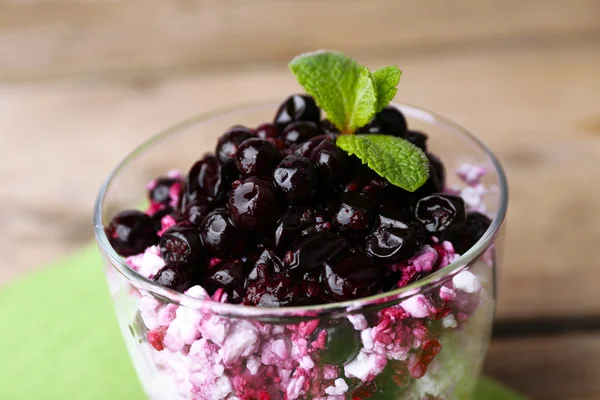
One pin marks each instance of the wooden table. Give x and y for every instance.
(81, 83)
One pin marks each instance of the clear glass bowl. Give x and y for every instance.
(425, 341)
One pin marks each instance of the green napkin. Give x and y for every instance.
(60, 340)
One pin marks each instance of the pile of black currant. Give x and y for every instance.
(281, 216)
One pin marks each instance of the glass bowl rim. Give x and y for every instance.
(313, 311)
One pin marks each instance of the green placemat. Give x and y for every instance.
(59, 338)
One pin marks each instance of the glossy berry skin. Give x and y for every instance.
(377, 188)
(389, 121)
(219, 235)
(331, 161)
(395, 238)
(343, 342)
(267, 130)
(130, 232)
(313, 291)
(298, 221)
(417, 138)
(312, 251)
(162, 190)
(434, 183)
(297, 108)
(228, 143)
(267, 264)
(296, 177)
(228, 276)
(254, 204)
(256, 157)
(181, 243)
(475, 227)
(276, 291)
(330, 130)
(280, 145)
(437, 167)
(195, 212)
(175, 276)
(158, 216)
(208, 180)
(351, 277)
(355, 213)
(300, 132)
(306, 148)
(441, 213)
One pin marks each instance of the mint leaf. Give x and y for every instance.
(340, 86)
(351, 96)
(386, 79)
(399, 161)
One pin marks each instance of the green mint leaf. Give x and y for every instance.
(341, 87)
(386, 80)
(399, 161)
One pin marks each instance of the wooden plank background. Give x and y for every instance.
(41, 38)
(82, 82)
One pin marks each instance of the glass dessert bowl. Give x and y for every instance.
(419, 331)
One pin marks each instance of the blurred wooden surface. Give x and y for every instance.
(548, 368)
(83, 82)
(45, 38)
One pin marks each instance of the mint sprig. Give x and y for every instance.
(399, 161)
(386, 79)
(351, 95)
(340, 86)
